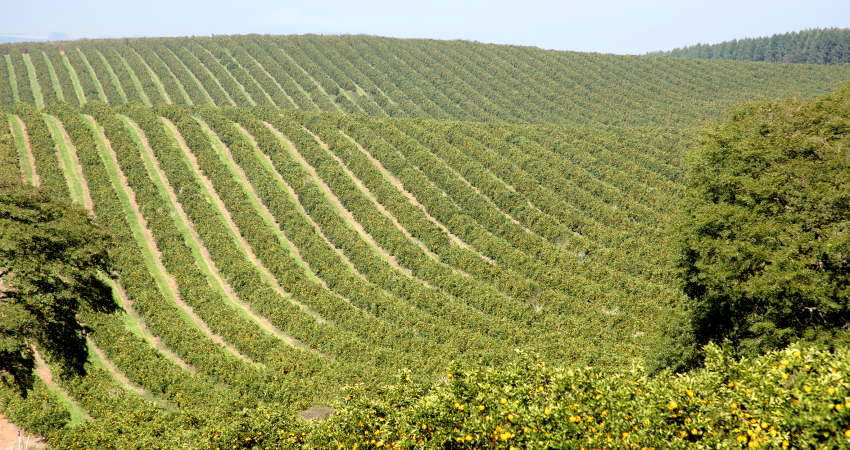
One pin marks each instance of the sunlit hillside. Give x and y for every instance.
(297, 214)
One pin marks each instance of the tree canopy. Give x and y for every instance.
(763, 228)
(54, 260)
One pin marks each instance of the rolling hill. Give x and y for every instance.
(297, 214)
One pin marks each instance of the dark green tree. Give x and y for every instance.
(764, 230)
(53, 261)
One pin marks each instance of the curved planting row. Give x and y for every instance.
(42, 75)
(287, 271)
(203, 76)
(102, 73)
(269, 88)
(22, 77)
(130, 88)
(43, 149)
(251, 88)
(170, 85)
(151, 86)
(245, 278)
(66, 83)
(379, 226)
(390, 238)
(410, 325)
(295, 92)
(428, 299)
(91, 90)
(538, 179)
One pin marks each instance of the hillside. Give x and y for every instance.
(294, 215)
(830, 46)
(421, 79)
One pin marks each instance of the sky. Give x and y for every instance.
(621, 27)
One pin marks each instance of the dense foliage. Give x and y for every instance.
(796, 398)
(763, 226)
(829, 46)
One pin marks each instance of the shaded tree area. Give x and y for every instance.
(763, 233)
(830, 46)
(54, 260)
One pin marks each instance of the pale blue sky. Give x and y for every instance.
(623, 27)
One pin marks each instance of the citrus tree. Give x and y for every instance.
(763, 229)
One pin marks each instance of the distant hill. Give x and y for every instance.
(829, 46)
(414, 78)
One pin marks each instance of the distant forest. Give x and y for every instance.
(817, 46)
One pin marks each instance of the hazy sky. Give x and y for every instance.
(632, 27)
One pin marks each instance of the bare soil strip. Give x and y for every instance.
(270, 278)
(151, 244)
(78, 168)
(13, 436)
(365, 191)
(127, 383)
(318, 180)
(43, 372)
(205, 255)
(36, 180)
(265, 210)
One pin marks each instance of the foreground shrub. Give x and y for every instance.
(795, 398)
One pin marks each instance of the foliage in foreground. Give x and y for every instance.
(795, 398)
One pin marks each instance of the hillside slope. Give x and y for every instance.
(282, 255)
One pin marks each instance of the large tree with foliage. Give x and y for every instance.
(53, 260)
(764, 229)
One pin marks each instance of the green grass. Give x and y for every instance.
(12, 78)
(36, 89)
(78, 88)
(97, 82)
(18, 133)
(112, 77)
(72, 176)
(135, 223)
(255, 202)
(54, 80)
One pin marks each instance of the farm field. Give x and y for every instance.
(294, 215)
